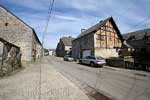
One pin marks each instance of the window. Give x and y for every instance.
(101, 37)
(6, 24)
(87, 57)
(91, 57)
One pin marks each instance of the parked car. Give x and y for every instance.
(93, 61)
(68, 58)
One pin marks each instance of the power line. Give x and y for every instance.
(141, 22)
(45, 30)
(49, 17)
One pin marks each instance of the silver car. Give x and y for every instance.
(93, 61)
(68, 58)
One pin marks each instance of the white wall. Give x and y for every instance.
(67, 47)
(50, 53)
(106, 53)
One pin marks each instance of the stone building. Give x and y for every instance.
(102, 39)
(64, 46)
(17, 32)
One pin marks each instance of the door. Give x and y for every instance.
(86, 53)
(85, 60)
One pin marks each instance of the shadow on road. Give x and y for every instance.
(90, 66)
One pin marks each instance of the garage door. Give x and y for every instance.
(86, 53)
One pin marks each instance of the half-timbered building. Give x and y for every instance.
(102, 39)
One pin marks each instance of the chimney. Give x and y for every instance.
(82, 30)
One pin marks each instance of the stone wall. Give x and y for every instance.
(60, 50)
(17, 32)
(38, 51)
(76, 49)
(84, 43)
(10, 57)
(37, 47)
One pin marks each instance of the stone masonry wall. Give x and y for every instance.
(84, 43)
(76, 49)
(37, 46)
(10, 57)
(15, 31)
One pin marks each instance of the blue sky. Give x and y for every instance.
(69, 16)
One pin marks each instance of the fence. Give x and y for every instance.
(129, 63)
(10, 57)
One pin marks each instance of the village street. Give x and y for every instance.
(115, 83)
(120, 84)
(26, 84)
(49, 50)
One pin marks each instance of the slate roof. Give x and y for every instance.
(67, 41)
(137, 39)
(137, 35)
(98, 26)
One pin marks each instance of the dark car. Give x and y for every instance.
(93, 61)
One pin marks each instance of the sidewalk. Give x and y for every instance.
(25, 85)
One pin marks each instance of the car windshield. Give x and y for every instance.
(68, 56)
(86, 57)
(99, 58)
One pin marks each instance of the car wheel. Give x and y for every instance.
(92, 64)
(65, 59)
(148, 68)
(80, 61)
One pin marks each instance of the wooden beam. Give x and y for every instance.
(107, 30)
(114, 39)
(100, 40)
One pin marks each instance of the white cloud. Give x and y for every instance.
(69, 16)
(32, 4)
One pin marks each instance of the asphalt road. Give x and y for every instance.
(39, 81)
(115, 83)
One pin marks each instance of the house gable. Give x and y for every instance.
(97, 26)
(10, 17)
(7, 17)
(108, 36)
(17, 32)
